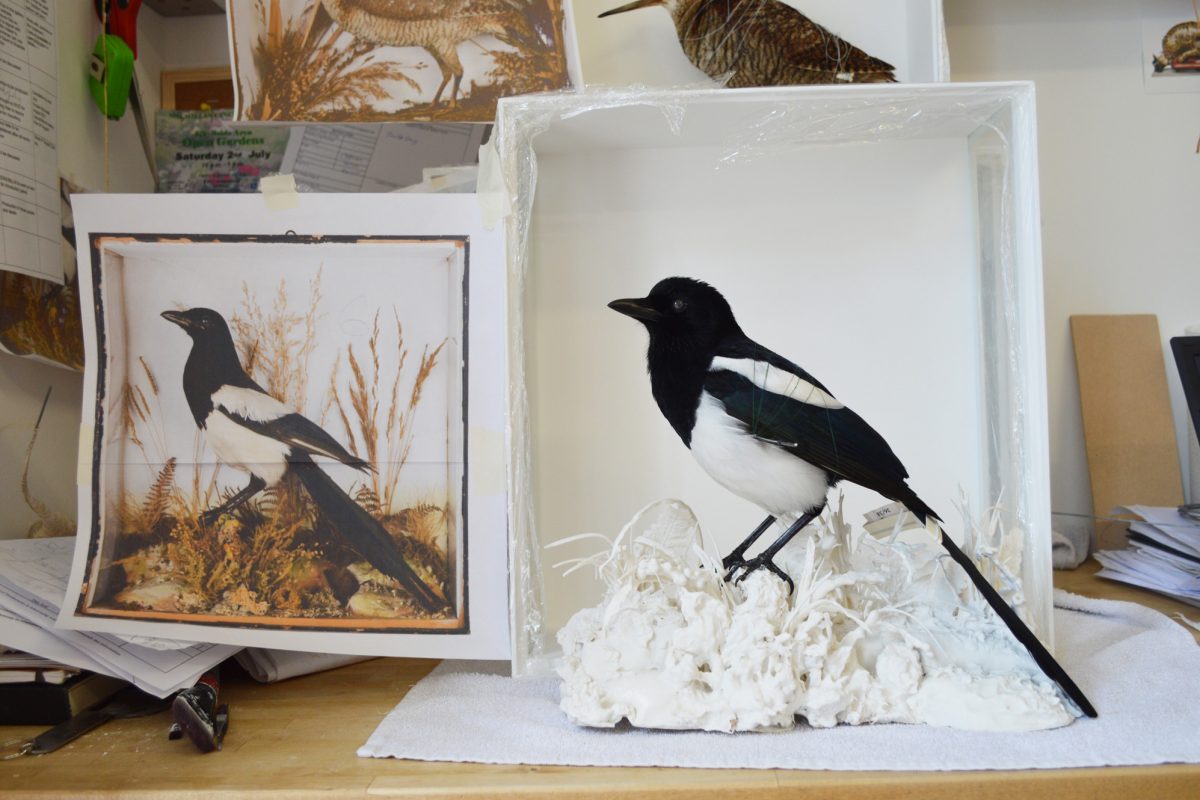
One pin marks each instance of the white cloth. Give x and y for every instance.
(1070, 549)
(1138, 667)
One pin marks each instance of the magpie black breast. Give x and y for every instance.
(250, 430)
(770, 432)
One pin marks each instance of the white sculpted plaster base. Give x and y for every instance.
(876, 631)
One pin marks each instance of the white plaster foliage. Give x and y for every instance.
(876, 631)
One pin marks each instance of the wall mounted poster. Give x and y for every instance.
(290, 417)
(393, 60)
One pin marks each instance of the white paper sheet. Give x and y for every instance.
(18, 634)
(30, 216)
(375, 158)
(33, 581)
(380, 254)
(1148, 564)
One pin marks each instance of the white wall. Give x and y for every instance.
(1119, 198)
(1120, 184)
(162, 43)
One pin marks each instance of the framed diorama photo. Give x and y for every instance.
(293, 424)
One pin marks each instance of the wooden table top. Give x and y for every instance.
(298, 738)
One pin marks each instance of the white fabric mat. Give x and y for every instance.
(1140, 669)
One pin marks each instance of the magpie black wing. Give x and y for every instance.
(823, 432)
(259, 412)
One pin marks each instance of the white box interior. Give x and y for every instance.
(884, 239)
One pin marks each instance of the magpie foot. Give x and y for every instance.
(758, 562)
(211, 516)
(732, 561)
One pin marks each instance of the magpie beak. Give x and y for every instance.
(770, 432)
(637, 307)
(179, 319)
(631, 7)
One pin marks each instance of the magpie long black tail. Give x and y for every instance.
(1019, 629)
(362, 531)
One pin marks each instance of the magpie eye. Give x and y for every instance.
(679, 305)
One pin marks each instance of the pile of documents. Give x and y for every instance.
(20, 667)
(33, 582)
(1163, 554)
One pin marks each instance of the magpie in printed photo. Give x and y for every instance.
(255, 433)
(771, 433)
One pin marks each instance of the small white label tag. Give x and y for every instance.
(883, 512)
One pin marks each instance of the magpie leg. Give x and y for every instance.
(736, 557)
(766, 557)
(255, 486)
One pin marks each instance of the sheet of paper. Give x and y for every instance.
(15, 632)
(270, 580)
(30, 237)
(33, 580)
(1135, 580)
(375, 158)
(1166, 517)
(203, 151)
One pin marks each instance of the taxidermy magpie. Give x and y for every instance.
(251, 431)
(771, 433)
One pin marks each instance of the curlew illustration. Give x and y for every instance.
(438, 26)
(764, 43)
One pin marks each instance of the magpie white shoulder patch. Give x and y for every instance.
(772, 379)
(251, 404)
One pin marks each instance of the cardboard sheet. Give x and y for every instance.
(1127, 427)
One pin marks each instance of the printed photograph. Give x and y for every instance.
(39, 319)
(392, 60)
(280, 432)
(1171, 51)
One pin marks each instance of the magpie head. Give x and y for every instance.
(682, 309)
(198, 322)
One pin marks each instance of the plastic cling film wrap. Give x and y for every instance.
(995, 124)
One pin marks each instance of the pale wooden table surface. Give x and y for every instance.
(298, 739)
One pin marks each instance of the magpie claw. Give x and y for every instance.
(731, 562)
(758, 562)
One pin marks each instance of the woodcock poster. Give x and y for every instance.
(285, 414)
(393, 60)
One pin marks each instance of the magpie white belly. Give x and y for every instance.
(760, 472)
(243, 449)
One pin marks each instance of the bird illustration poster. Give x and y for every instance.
(393, 60)
(290, 414)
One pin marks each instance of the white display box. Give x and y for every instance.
(641, 47)
(885, 238)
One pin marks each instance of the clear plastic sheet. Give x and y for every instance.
(997, 125)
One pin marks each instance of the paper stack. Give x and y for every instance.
(1163, 554)
(33, 583)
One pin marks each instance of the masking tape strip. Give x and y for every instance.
(280, 192)
(488, 470)
(490, 189)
